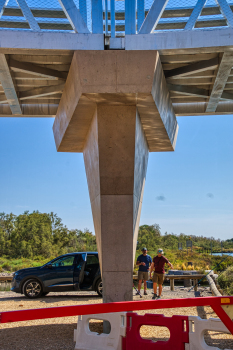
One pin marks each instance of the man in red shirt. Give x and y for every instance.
(158, 265)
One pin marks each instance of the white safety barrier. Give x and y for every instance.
(87, 340)
(197, 327)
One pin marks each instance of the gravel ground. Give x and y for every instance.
(57, 333)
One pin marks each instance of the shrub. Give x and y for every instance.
(225, 281)
(6, 266)
(184, 267)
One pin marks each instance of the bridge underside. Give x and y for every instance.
(199, 81)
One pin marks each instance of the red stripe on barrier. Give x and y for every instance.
(66, 311)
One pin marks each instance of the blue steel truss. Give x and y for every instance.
(114, 17)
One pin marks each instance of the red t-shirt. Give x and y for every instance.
(159, 264)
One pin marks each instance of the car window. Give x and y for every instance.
(92, 259)
(64, 261)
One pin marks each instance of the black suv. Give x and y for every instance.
(69, 272)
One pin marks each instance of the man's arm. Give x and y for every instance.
(151, 268)
(169, 264)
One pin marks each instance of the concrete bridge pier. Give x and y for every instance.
(116, 156)
(116, 108)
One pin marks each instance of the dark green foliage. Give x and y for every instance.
(226, 280)
(33, 235)
(150, 236)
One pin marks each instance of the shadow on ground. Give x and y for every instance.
(42, 337)
(54, 298)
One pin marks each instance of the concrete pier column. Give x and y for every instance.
(116, 157)
(115, 108)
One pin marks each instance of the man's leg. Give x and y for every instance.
(160, 289)
(145, 286)
(139, 285)
(160, 282)
(155, 288)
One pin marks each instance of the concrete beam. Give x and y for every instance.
(43, 91)
(193, 68)
(11, 41)
(199, 108)
(165, 42)
(220, 81)
(194, 91)
(8, 86)
(118, 78)
(188, 90)
(38, 110)
(179, 42)
(36, 70)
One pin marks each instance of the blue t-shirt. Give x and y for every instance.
(147, 260)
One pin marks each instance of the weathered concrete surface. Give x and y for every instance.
(21, 41)
(166, 42)
(115, 108)
(116, 157)
(120, 78)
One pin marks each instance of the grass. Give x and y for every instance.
(12, 265)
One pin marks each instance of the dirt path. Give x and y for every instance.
(57, 333)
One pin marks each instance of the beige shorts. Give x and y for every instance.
(143, 275)
(158, 278)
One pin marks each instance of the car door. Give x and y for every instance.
(60, 274)
(90, 270)
(79, 266)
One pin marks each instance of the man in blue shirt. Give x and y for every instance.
(143, 261)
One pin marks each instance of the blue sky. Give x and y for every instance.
(189, 190)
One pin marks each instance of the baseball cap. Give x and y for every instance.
(160, 251)
(144, 248)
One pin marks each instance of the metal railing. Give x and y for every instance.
(114, 17)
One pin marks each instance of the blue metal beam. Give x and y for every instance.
(226, 11)
(153, 16)
(195, 14)
(74, 16)
(113, 29)
(83, 9)
(3, 4)
(141, 13)
(130, 17)
(97, 16)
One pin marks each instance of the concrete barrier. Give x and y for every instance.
(87, 340)
(197, 327)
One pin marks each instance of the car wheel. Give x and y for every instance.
(99, 287)
(32, 289)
